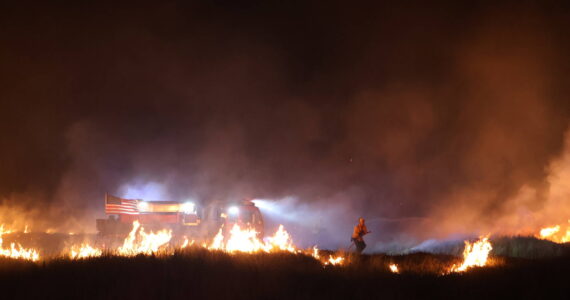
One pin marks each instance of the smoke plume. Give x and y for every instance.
(427, 121)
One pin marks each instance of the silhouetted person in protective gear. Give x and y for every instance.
(359, 231)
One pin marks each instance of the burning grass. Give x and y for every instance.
(154, 265)
(195, 272)
(556, 233)
(474, 255)
(16, 250)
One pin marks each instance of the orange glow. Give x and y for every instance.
(246, 240)
(140, 242)
(243, 241)
(218, 242)
(16, 250)
(335, 261)
(315, 253)
(186, 243)
(281, 240)
(394, 268)
(84, 251)
(474, 255)
(554, 234)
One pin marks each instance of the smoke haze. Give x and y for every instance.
(427, 121)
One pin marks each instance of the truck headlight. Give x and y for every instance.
(142, 206)
(233, 210)
(187, 207)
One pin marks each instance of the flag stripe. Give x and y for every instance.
(116, 205)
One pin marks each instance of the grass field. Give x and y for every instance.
(199, 274)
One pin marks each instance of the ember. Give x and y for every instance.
(394, 268)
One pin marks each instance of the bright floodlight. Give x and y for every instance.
(142, 206)
(233, 210)
(187, 207)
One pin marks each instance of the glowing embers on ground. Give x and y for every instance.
(332, 260)
(394, 268)
(16, 250)
(556, 235)
(474, 255)
(140, 242)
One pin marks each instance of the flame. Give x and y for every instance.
(84, 251)
(281, 240)
(334, 260)
(246, 240)
(315, 253)
(16, 250)
(548, 231)
(26, 229)
(138, 241)
(394, 268)
(218, 242)
(143, 243)
(243, 241)
(554, 234)
(186, 243)
(474, 255)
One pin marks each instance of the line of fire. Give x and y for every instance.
(135, 227)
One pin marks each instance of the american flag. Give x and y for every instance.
(116, 205)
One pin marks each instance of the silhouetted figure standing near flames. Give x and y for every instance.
(357, 236)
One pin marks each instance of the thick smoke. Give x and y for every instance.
(427, 121)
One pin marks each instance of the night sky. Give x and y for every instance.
(407, 113)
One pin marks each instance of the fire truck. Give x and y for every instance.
(121, 213)
(183, 217)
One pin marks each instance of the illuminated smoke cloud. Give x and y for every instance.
(146, 191)
(428, 125)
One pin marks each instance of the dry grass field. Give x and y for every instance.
(197, 273)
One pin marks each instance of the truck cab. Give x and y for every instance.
(245, 215)
(227, 214)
